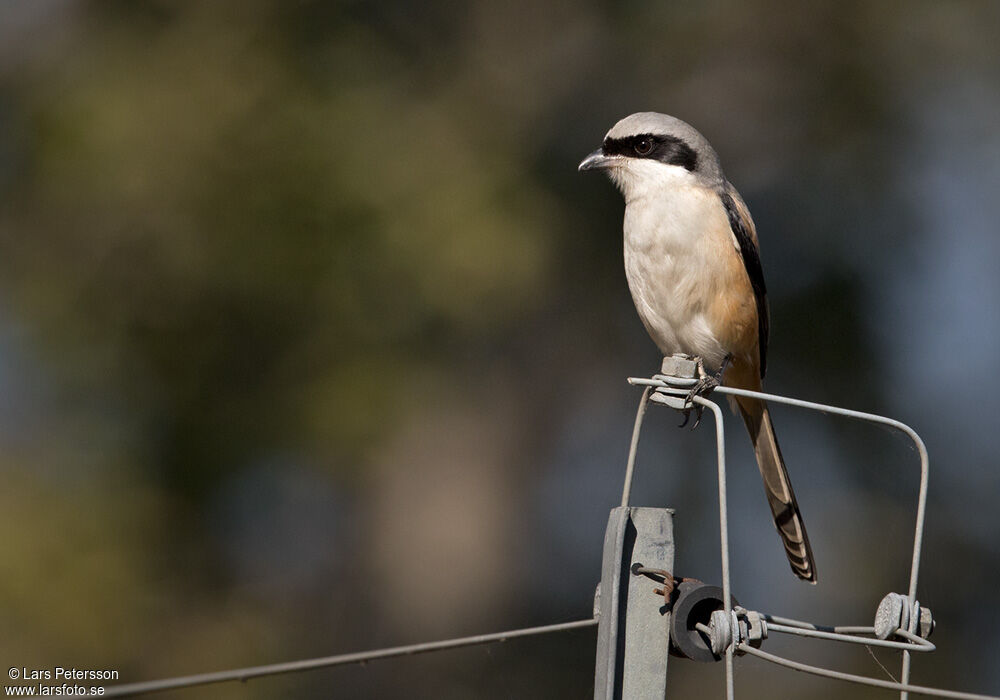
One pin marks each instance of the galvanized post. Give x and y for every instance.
(633, 634)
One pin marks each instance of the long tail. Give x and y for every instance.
(778, 488)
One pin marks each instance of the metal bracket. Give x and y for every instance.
(633, 633)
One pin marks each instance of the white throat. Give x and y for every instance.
(642, 179)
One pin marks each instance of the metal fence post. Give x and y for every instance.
(633, 634)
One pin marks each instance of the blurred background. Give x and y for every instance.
(313, 340)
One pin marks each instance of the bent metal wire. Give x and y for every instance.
(672, 390)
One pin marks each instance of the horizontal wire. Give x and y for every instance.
(840, 629)
(809, 625)
(915, 644)
(244, 674)
(683, 383)
(862, 680)
(803, 628)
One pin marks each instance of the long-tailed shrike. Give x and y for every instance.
(693, 267)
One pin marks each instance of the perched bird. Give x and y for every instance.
(693, 267)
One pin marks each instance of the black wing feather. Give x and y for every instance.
(751, 261)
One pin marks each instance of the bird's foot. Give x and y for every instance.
(703, 388)
(705, 385)
(698, 410)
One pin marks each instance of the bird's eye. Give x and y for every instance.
(643, 147)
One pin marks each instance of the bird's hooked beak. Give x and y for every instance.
(597, 161)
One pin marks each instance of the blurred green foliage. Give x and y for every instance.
(244, 251)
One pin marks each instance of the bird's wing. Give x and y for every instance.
(746, 242)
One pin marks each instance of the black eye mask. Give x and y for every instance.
(666, 149)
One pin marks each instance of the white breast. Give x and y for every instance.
(673, 239)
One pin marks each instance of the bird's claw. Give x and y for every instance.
(698, 410)
(705, 385)
(702, 388)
